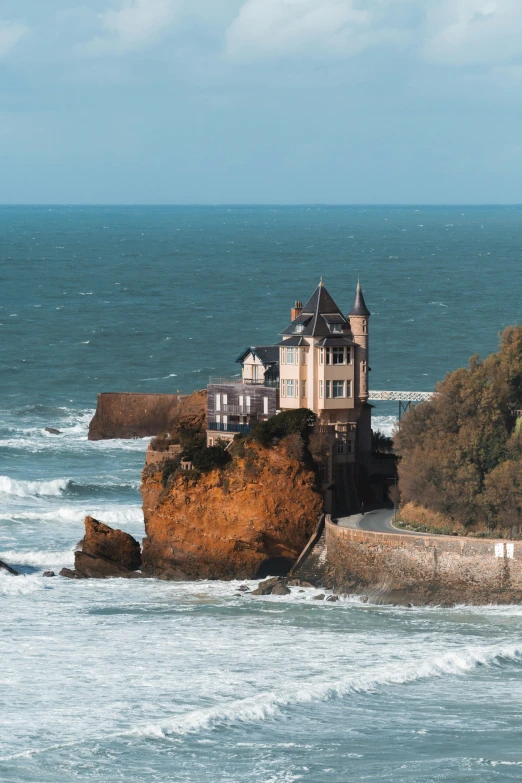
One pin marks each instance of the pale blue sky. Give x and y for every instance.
(260, 101)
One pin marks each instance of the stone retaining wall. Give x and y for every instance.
(157, 457)
(393, 568)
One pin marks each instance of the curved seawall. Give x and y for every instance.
(395, 568)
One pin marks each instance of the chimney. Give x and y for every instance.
(296, 310)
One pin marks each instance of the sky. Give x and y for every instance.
(261, 101)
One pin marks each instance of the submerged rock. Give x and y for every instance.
(319, 597)
(48, 573)
(8, 569)
(70, 573)
(280, 589)
(53, 431)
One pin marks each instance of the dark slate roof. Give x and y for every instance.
(318, 312)
(267, 354)
(293, 341)
(329, 341)
(359, 305)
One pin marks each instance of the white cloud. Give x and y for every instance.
(324, 28)
(134, 24)
(10, 34)
(471, 32)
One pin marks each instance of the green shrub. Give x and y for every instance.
(300, 421)
(206, 459)
(170, 466)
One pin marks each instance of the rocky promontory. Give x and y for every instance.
(129, 415)
(247, 518)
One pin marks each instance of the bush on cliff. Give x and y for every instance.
(210, 458)
(461, 453)
(300, 421)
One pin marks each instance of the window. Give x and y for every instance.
(324, 472)
(328, 355)
(218, 418)
(225, 399)
(265, 406)
(298, 327)
(337, 389)
(283, 388)
(348, 388)
(320, 390)
(218, 402)
(240, 400)
(303, 388)
(225, 420)
(321, 355)
(255, 370)
(338, 355)
(303, 355)
(364, 327)
(290, 355)
(328, 394)
(340, 446)
(348, 356)
(248, 404)
(349, 446)
(290, 387)
(336, 327)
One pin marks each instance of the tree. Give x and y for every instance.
(450, 447)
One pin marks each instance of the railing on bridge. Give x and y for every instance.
(404, 398)
(401, 396)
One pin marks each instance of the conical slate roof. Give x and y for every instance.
(359, 305)
(317, 314)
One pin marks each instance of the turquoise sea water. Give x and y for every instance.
(123, 681)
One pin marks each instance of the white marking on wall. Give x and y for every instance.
(499, 550)
(510, 550)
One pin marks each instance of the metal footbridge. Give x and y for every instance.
(404, 398)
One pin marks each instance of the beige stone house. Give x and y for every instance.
(321, 363)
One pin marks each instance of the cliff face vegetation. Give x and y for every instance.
(461, 453)
(251, 515)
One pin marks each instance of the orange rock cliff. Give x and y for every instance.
(251, 517)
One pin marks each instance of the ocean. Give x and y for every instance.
(130, 681)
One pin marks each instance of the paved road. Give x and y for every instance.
(379, 521)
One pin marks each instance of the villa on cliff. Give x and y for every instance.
(321, 363)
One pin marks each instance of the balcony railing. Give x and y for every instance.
(238, 381)
(244, 429)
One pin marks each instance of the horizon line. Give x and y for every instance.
(258, 204)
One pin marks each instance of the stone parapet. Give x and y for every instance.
(445, 570)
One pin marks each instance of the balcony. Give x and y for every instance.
(244, 429)
(238, 381)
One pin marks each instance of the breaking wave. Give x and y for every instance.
(38, 558)
(267, 705)
(25, 489)
(384, 424)
(19, 585)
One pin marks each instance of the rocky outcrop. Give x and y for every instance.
(7, 569)
(104, 552)
(128, 415)
(249, 519)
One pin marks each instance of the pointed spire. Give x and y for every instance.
(321, 281)
(359, 305)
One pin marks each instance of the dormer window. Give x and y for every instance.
(336, 328)
(298, 327)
